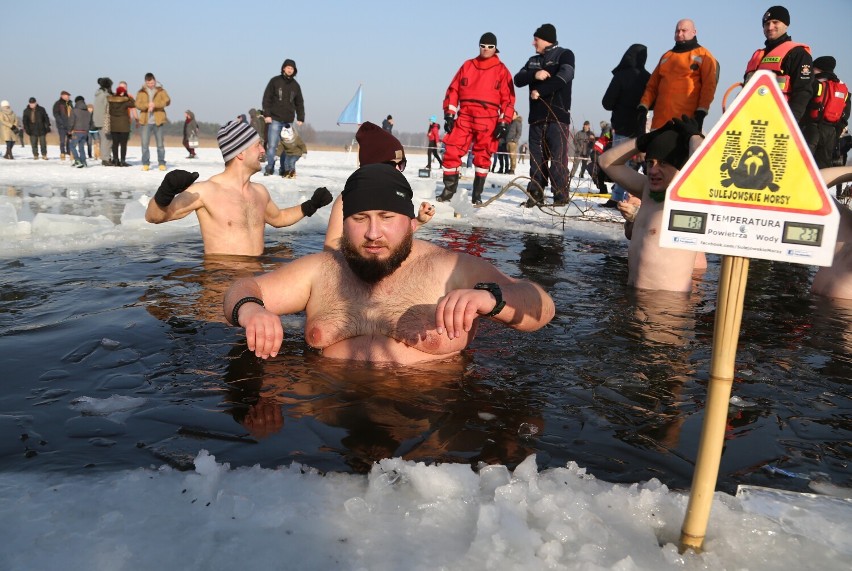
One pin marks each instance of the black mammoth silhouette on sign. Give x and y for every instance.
(753, 170)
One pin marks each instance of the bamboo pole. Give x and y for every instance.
(729, 312)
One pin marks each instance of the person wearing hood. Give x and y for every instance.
(629, 79)
(789, 60)
(290, 149)
(550, 77)
(683, 83)
(190, 133)
(8, 127)
(478, 106)
(37, 126)
(78, 130)
(282, 103)
(151, 102)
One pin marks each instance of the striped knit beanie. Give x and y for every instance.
(234, 138)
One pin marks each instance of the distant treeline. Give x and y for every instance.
(309, 135)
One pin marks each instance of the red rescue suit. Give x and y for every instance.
(480, 95)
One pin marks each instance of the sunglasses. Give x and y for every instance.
(487, 46)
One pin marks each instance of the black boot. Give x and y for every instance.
(537, 195)
(478, 186)
(451, 183)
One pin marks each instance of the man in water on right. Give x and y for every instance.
(666, 151)
(835, 281)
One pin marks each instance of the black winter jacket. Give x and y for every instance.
(282, 99)
(36, 122)
(626, 88)
(554, 102)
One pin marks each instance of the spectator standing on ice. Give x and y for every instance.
(282, 103)
(37, 126)
(549, 75)
(62, 116)
(121, 106)
(478, 106)
(512, 138)
(8, 127)
(79, 131)
(433, 137)
(827, 113)
(151, 102)
(190, 133)
(790, 61)
(100, 118)
(622, 96)
(683, 83)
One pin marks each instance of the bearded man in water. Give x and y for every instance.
(384, 296)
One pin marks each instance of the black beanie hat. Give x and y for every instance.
(489, 39)
(825, 63)
(375, 145)
(667, 146)
(32, 99)
(105, 82)
(79, 98)
(377, 187)
(779, 13)
(546, 32)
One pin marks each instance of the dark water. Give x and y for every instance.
(616, 382)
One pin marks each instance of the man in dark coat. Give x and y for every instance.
(282, 103)
(622, 97)
(62, 115)
(37, 126)
(549, 75)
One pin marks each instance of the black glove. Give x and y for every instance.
(449, 122)
(321, 197)
(501, 130)
(173, 184)
(15, 129)
(686, 127)
(700, 114)
(641, 120)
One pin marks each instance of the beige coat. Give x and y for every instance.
(8, 119)
(161, 101)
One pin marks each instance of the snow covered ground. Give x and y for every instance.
(403, 515)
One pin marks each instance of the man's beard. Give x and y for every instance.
(371, 270)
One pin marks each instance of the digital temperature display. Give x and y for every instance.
(802, 234)
(683, 221)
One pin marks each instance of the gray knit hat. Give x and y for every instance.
(234, 138)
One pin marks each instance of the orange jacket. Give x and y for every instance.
(682, 83)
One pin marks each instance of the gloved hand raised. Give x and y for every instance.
(449, 122)
(643, 140)
(501, 130)
(699, 118)
(321, 197)
(687, 127)
(641, 120)
(173, 184)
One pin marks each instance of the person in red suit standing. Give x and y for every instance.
(478, 107)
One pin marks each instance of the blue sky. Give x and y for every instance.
(216, 57)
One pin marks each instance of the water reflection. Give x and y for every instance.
(364, 413)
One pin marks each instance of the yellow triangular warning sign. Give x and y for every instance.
(755, 157)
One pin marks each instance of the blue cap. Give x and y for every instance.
(433, 119)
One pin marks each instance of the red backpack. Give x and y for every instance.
(830, 100)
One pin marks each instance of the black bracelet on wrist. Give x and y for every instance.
(236, 311)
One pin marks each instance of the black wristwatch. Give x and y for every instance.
(498, 295)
